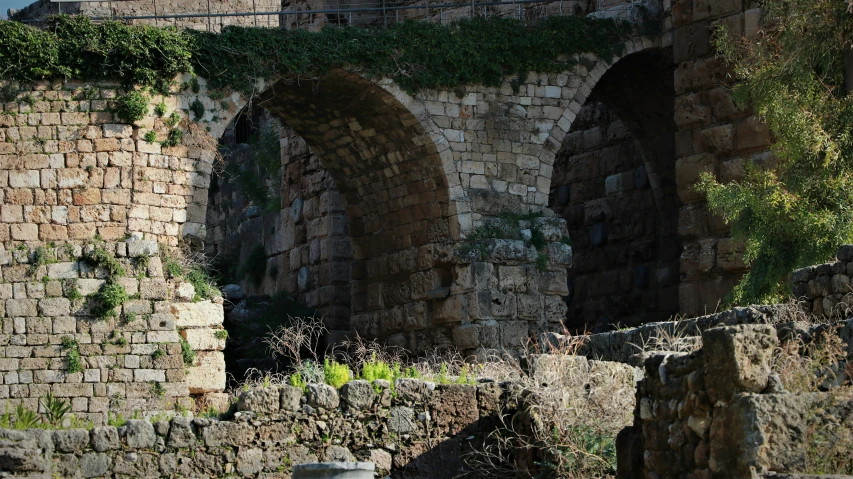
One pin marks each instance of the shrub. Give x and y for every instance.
(377, 369)
(173, 138)
(160, 109)
(107, 299)
(197, 107)
(132, 106)
(54, 410)
(151, 136)
(335, 374)
(99, 257)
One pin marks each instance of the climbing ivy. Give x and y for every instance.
(415, 54)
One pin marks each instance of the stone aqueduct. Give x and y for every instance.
(418, 174)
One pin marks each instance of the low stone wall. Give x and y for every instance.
(721, 413)
(825, 289)
(420, 430)
(417, 429)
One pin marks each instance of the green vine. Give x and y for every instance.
(415, 54)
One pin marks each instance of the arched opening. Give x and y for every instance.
(614, 183)
(361, 229)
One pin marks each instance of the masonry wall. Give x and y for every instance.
(74, 177)
(624, 268)
(306, 241)
(715, 136)
(721, 412)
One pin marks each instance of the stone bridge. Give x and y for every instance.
(427, 239)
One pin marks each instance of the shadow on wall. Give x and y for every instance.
(614, 183)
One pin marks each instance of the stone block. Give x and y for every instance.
(204, 339)
(207, 374)
(358, 394)
(322, 396)
(466, 336)
(260, 400)
(203, 314)
(741, 359)
(764, 432)
(52, 307)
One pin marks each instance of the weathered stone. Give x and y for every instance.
(138, 434)
(207, 374)
(181, 433)
(322, 396)
(72, 440)
(94, 464)
(401, 420)
(358, 394)
(742, 357)
(291, 397)
(261, 401)
(104, 438)
(197, 315)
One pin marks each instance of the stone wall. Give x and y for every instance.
(417, 429)
(40, 9)
(624, 272)
(714, 136)
(306, 241)
(721, 412)
(73, 177)
(419, 432)
(825, 289)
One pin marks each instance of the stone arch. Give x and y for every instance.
(391, 166)
(614, 183)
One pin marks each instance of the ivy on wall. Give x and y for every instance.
(415, 54)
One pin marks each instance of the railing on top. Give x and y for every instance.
(340, 12)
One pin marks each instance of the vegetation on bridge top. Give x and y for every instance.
(415, 54)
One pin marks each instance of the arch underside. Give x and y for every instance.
(389, 171)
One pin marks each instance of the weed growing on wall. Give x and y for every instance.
(132, 106)
(415, 54)
(72, 354)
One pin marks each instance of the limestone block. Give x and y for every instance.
(466, 336)
(203, 314)
(138, 248)
(760, 431)
(741, 359)
(208, 373)
(261, 401)
(204, 339)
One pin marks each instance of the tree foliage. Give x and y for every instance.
(792, 74)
